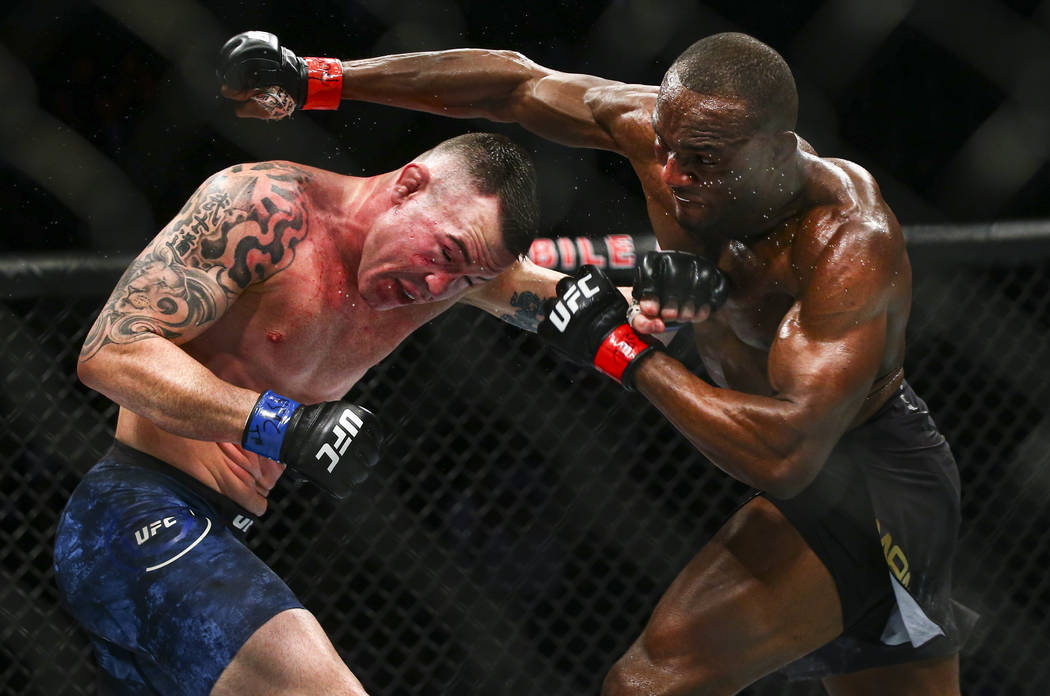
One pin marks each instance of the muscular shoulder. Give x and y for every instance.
(850, 234)
(625, 112)
(243, 223)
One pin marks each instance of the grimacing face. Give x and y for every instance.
(432, 248)
(717, 166)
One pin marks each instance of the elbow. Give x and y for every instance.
(87, 372)
(510, 56)
(516, 62)
(786, 477)
(94, 370)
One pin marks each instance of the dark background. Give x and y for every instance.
(504, 554)
(111, 118)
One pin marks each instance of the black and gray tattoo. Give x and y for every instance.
(529, 312)
(240, 227)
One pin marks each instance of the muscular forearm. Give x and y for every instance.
(518, 294)
(496, 85)
(159, 381)
(462, 83)
(758, 440)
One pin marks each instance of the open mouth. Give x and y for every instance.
(685, 198)
(410, 293)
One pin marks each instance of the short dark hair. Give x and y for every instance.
(740, 66)
(496, 165)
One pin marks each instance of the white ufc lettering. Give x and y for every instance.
(344, 435)
(150, 530)
(570, 303)
(242, 523)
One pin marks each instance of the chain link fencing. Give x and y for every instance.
(528, 514)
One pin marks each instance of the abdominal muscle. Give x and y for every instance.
(244, 477)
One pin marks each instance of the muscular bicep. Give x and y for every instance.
(831, 344)
(584, 111)
(239, 228)
(826, 371)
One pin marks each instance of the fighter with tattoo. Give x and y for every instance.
(794, 274)
(229, 344)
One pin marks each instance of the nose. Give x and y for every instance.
(674, 175)
(438, 283)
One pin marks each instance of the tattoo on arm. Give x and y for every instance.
(240, 227)
(529, 310)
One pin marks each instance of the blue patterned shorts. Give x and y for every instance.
(152, 563)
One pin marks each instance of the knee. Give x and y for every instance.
(638, 673)
(623, 679)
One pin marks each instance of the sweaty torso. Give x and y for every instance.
(304, 332)
(769, 272)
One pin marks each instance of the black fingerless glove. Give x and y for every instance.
(334, 444)
(587, 323)
(255, 60)
(677, 278)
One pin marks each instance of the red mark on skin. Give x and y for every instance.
(274, 336)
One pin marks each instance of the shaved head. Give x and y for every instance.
(740, 67)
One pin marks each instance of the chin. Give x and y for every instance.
(382, 295)
(695, 218)
(371, 298)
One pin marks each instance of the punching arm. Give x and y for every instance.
(572, 109)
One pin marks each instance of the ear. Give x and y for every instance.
(784, 145)
(412, 178)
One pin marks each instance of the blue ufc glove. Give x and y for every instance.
(334, 444)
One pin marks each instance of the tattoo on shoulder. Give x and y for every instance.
(529, 310)
(240, 227)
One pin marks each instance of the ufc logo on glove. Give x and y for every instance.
(586, 322)
(569, 304)
(344, 433)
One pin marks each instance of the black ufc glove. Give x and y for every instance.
(676, 278)
(334, 444)
(587, 323)
(255, 60)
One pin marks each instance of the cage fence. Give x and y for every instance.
(527, 514)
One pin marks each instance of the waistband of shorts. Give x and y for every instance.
(233, 515)
(891, 403)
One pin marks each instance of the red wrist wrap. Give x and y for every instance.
(619, 348)
(324, 85)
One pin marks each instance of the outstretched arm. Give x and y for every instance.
(237, 230)
(517, 295)
(505, 86)
(572, 109)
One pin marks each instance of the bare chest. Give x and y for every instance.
(305, 333)
(762, 289)
(734, 342)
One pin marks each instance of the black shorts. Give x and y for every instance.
(152, 564)
(883, 516)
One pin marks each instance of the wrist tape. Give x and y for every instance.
(324, 84)
(264, 432)
(619, 350)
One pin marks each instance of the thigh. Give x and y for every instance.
(933, 677)
(753, 599)
(289, 654)
(159, 582)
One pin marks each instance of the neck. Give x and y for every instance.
(784, 198)
(363, 201)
